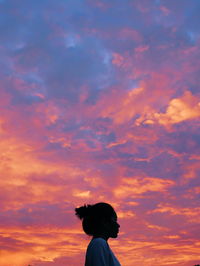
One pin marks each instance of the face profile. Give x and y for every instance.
(100, 222)
(112, 227)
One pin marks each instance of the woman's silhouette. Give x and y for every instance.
(100, 222)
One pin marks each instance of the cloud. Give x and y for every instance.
(39, 245)
(99, 101)
(133, 187)
(179, 110)
(191, 213)
(124, 107)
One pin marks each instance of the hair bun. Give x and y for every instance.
(83, 211)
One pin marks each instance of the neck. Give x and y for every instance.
(105, 237)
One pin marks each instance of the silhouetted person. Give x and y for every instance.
(100, 222)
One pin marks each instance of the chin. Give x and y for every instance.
(115, 235)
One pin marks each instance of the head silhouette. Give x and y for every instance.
(98, 220)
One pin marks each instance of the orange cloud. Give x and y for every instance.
(41, 244)
(125, 214)
(124, 107)
(26, 178)
(179, 109)
(133, 187)
(191, 170)
(157, 227)
(18, 258)
(82, 194)
(156, 252)
(192, 214)
(93, 181)
(172, 237)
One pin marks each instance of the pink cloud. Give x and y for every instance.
(133, 187)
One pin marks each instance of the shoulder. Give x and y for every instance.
(98, 242)
(98, 245)
(97, 253)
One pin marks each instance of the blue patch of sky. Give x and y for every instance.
(19, 99)
(193, 36)
(71, 40)
(157, 2)
(106, 138)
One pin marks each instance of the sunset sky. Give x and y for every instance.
(99, 101)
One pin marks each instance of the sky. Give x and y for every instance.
(99, 102)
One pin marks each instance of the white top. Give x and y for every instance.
(99, 254)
